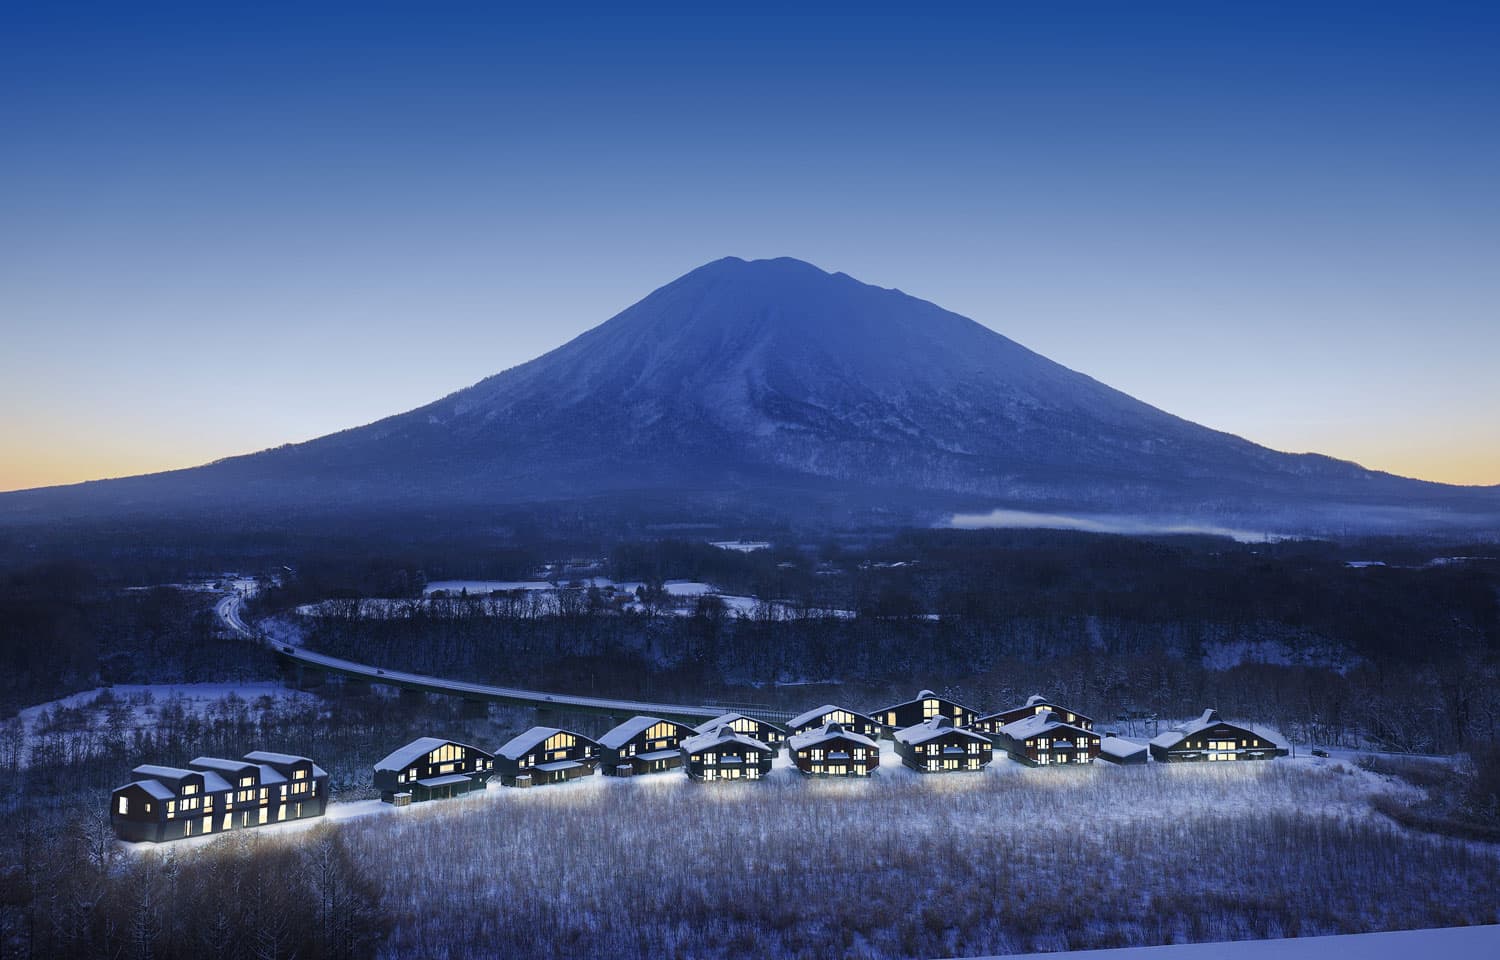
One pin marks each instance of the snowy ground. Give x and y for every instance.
(784, 772)
(684, 593)
(146, 701)
(1450, 943)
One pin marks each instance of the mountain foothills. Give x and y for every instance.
(772, 386)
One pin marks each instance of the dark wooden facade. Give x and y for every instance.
(829, 713)
(937, 746)
(1210, 738)
(833, 751)
(544, 755)
(990, 724)
(1043, 739)
(726, 754)
(768, 733)
(643, 745)
(212, 795)
(430, 768)
(927, 705)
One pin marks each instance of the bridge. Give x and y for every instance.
(309, 666)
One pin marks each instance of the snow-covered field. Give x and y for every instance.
(1014, 859)
(1011, 860)
(1448, 943)
(535, 598)
(142, 704)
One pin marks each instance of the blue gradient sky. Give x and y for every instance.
(224, 231)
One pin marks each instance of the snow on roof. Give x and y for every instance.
(516, 746)
(921, 695)
(932, 729)
(213, 783)
(269, 775)
(1037, 724)
(720, 736)
(828, 731)
(821, 711)
(403, 757)
(1172, 737)
(153, 787)
(222, 765)
(729, 718)
(155, 772)
(1035, 699)
(552, 766)
(444, 781)
(1116, 747)
(627, 731)
(267, 756)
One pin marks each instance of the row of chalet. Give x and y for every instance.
(213, 795)
(829, 741)
(932, 734)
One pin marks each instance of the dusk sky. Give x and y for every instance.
(225, 234)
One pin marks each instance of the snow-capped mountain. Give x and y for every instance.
(745, 379)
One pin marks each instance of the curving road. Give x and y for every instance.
(229, 611)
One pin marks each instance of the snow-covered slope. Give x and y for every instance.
(742, 379)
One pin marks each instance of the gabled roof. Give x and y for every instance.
(1038, 724)
(222, 765)
(933, 728)
(622, 734)
(921, 695)
(727, 719)
(154, 788)
(154, 771)
(517, 747)
(1171, 738)
(267, 756)
(284, 760)
(803, 719)
(403, 757)
(1033, 701)
(722, 735)
(213, 783)
(829, 731)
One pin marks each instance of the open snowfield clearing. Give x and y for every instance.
(1450, 943)
(540, 598)
(1011, 860)
(141, 706)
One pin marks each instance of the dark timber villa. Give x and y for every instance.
(767, 733)
(1035, 704)
(937, 746)
(829, 713)
(926, 706)
(1210, 738)
(1044, 738)
(726, 754)
(544, 755)
(833, 751)
(430, 768)
(643, 745)
(212, 795)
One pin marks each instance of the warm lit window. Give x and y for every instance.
(123, 807)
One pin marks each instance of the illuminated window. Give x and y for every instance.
(189, 788)
(299, 775)
(171, 809)
(124, 806)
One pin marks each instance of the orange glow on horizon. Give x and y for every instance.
(46, 466)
